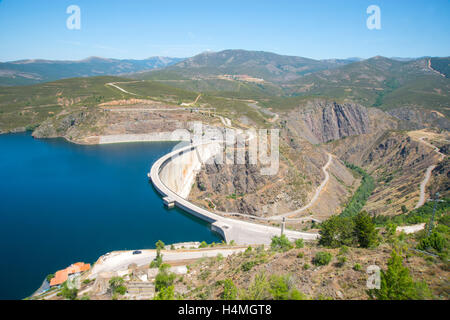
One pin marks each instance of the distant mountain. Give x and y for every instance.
(441, 65)
(26, 72)
(381, 82)
(259, 64)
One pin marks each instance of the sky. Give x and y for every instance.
(138, 29)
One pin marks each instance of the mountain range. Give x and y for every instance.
(25, 72)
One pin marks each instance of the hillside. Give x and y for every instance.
(379, 82)
(26, 72)
(265, 65)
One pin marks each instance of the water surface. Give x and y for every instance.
(61, 203)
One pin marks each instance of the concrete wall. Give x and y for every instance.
(179, 172)
(145, 137)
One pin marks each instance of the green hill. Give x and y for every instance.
(379, 82)
(266, 65)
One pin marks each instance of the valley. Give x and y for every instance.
(354, 136)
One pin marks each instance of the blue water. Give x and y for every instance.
(61, 203)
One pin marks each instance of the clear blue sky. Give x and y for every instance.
(142, 28)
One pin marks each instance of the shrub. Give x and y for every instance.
(300, 255)
(229, 290)
(434, 241)
(299, 243)
(203, 245)
(341, 261)
(343, 250)
(282, 288)
(116, 285)
(281, 243)
(248, 265)
(259, 289)
(50, 277)
(306, 266)
(357, 267)
(167, 293)
(322, 258)
(69, 294)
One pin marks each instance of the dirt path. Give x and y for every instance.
(316, 194)
(424, 182)
(114, 84)
(423, 186)
(319, 189)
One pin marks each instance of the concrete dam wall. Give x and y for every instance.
(179, 172)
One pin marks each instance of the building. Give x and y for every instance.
(62, 275)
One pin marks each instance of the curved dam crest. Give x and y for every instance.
(172, 176)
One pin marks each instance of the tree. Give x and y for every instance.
(164, 278)
(158, 259)
(365, 231)
(229, 290)
(397, 283)
(337, 231)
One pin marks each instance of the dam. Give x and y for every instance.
(173, 175)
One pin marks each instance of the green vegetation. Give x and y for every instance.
(419, 215)
(337, 231)
(68, 293)
(167, 293)
(299, 243)
(357, 267)
(281, 243)
(361, 195)
(156, 263)
(365, 232)
(322, 258)
(277, 287)
(229, 290)
(50, 277)
(441, 65)
(164, 278)
(117, 286)
(344, 231)
(397, 284)
(203, 244)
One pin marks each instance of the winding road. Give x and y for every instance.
(241, 232)
(423, 184)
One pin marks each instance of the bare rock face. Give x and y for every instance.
(421, 118)
(321, 121)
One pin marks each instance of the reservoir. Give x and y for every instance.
(62, 203)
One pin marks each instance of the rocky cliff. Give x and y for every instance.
(321, 121)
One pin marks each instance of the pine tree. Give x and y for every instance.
(365, 231)
(397, 283)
